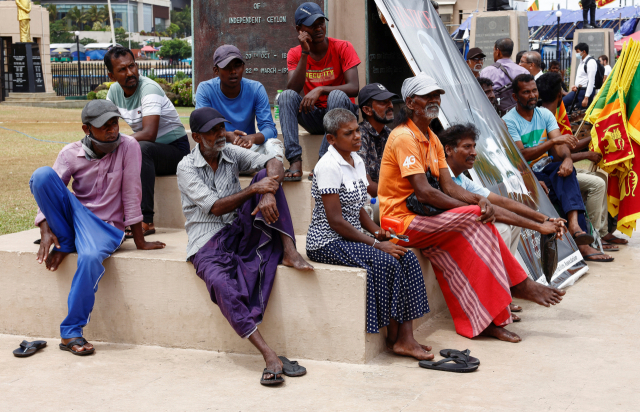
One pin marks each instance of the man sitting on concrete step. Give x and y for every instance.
(241, 101)
(105, 167)
(237, 237)
(155, 123)
(326, 70)
(377, 112)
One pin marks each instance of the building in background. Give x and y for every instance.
(132, 16)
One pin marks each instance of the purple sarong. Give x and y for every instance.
(239, 263)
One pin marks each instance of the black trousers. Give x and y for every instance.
(158, 160)
(589, 7)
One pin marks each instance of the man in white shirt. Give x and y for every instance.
(532, 62)
(585, 79)
(604, 60)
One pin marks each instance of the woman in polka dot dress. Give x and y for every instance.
(395, 287)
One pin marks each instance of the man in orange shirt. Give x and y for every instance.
(476, 271)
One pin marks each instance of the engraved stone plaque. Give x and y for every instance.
(263, 31)
(27, 68)
(488, 30)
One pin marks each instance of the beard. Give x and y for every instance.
(530, 104)
(213, 150)
(431, 111)
(383, 120)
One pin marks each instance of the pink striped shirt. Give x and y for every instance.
(109, 187)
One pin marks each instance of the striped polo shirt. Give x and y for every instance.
(148, 100)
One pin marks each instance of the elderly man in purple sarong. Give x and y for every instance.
(237, 237)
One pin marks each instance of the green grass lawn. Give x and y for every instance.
(20, 155)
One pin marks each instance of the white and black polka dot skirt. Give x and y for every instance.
(395, 288)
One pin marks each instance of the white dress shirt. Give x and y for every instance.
(587, 79)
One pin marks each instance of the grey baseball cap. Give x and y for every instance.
(225, 54)
(98, 112)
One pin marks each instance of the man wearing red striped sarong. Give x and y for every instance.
(476, 271)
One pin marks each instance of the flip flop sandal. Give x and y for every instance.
(29, 348)
(291, 368)
(275, 380)
(586, 258)
(581, 238)
(616, 241)
(515, 308)
(464, 355)
(515, 318)
(77, 342)
(146, 233)
(609, 247)
(310, 177)
(292, 178)
(458, 365)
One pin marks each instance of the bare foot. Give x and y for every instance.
(586, 250)
(54, 259)
(515, 317)
(391, 343)
(78, 348)
(411, 347)
(535, 292)
(291, 256)
(273, 364)
(500, 333)
(295, 169)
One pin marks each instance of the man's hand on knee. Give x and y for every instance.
(308, 103)
(486, 211)
(267, 206)
(267, 185)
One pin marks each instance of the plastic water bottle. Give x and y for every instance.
(367, 206)
(276, 107)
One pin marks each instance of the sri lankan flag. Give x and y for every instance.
(602, 3)
(615, 115)
(535, 6)
(563, 119)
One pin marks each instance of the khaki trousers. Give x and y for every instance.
(510, 235)
(593, 186)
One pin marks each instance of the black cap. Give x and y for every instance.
(204, 119)
(374, 91)
(98, 112)
(225, 54)
(474, 53)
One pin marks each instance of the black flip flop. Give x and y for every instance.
(29, 348)
(77, 342)
(454, 353)
(291, 368)
(612, 248)
(586, 258)
(275, 380)
(292, 178)
(457, 365)
(310, 177)
(583, 238)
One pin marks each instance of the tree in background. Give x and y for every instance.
(183, 20)
(85, 40)
(59, 32)
(175, 49)
(53, 12)
(77, 16)
(173, 29)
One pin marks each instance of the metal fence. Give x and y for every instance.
(565, 63)
(65, 75)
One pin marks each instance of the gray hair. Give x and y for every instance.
(533, 57)
(335, 119)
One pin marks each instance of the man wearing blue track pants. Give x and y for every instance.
(105, 167)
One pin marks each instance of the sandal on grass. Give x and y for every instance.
(77, 342)
(449, 365)
(276, 379)
(29, 348)
(454, 353)
(291, 368)
(588, 258)
(292, 178)
(582, 238)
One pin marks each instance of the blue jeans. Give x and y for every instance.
(578, 104)
(290, 116)
(77, 230)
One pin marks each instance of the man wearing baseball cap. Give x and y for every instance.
(326, 70)
(455, 228)
(377, 112)
(475, 60)
(105, 167)
(237, 237)
(241, 101)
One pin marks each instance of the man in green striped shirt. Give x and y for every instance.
(154, 121)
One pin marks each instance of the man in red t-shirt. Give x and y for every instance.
(327, 70)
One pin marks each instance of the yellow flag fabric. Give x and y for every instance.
(535, 6)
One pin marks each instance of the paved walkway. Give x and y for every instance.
(578, 356)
